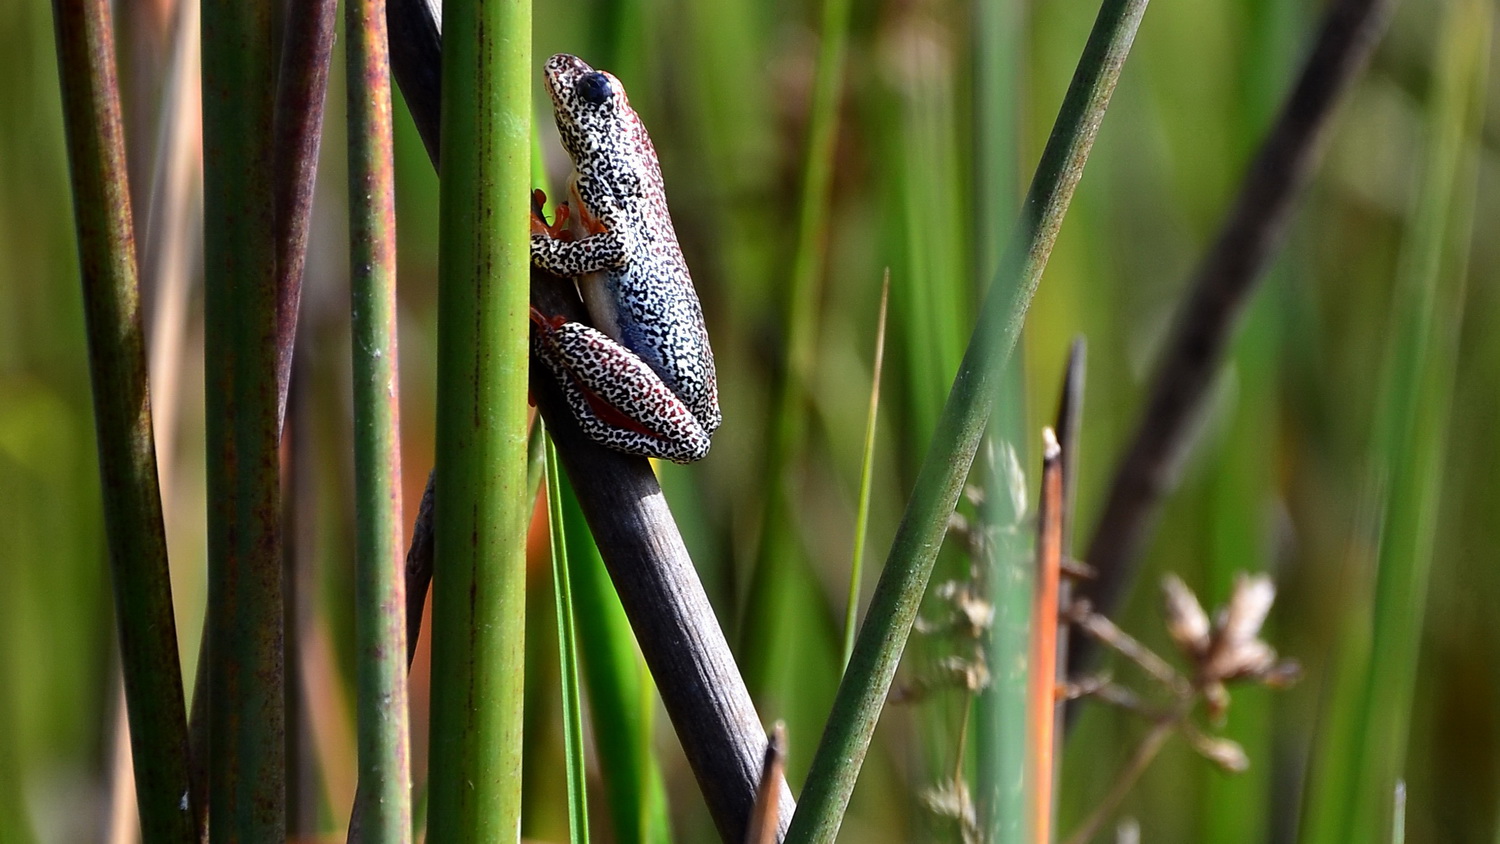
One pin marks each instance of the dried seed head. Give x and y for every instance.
(1241, 619)
(1282, 675)
(1229, 647)
(971, 675)
(1223, 752)
(1187, 623)
(950, 801)
(1237, 651)
(971, 613)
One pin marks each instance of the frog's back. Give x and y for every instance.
(659, 318)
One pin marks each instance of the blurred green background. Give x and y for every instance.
(1280, 478)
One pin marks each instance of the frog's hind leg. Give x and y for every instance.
(618, 400)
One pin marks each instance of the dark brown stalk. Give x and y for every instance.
(1218, 295)
(301, 87)
(680, 637)
(122, 418)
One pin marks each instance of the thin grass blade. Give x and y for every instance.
(572, 701)
(621, 696)
(866, 470)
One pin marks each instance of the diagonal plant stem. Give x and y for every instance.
(862, 693)
(866, 474)
(1218, 296)
(301, 87)
(122, 418)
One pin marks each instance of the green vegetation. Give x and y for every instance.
(1347, 448)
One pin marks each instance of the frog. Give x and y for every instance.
(640, 377)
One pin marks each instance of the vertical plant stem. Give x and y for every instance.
(1002, 793)
(658, 587)
(122, 418)
(866, 473)
(384, 800)
(1067, 426)
(862, 693)
(247, 771)
(1000, 711)
(1041, 678)
(479, 592)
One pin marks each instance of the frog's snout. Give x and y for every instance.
(562, 71)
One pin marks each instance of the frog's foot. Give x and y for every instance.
(546, 323)
(618, 400)
(539, 227)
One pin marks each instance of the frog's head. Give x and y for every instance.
(594, 117)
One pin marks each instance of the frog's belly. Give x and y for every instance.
(602, 302)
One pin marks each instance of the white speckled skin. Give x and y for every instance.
(641, 380)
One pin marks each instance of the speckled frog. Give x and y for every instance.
(641, 378)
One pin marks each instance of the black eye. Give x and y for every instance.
(594, 88)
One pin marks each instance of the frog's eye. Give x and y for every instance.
(594, 88)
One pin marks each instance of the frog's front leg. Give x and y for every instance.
(618, 400)
(576, 258)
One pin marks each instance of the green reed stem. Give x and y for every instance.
(478, 662)
(122, 418)
(380, 558)
(247, 768)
